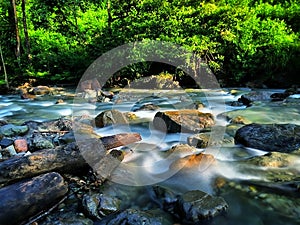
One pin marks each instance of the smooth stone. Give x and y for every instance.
(187, 120)
(10, 130)
(269, 137)
(21, 145)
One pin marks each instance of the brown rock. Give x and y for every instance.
(20, 145)
(197, 161)
(187, 120)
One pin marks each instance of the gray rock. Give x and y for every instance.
(196, 205)
(97, 206)
(254, 96)
(39, 142)
(10, 130)
(110, 117)
(270, 137)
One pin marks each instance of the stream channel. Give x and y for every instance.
(250, 190)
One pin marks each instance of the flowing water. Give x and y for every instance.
(148, 163)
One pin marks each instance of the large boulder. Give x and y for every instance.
(270, 137)
(187, 120)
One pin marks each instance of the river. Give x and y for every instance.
(248, 203)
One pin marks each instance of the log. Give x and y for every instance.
(69, 158)
(22, 200)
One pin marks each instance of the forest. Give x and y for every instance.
(54, 41)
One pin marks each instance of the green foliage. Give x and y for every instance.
(240, 40)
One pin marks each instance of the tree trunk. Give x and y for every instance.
(27, 198)
(16, 31)
(27, 42)
(109, 19)
(4, 68)
(70, 158)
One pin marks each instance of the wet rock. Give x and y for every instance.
(59, 101)
(40, 90)
(279, 96)
(195, 206)
(165, 198)
(110, 117)
(40, 142)
(239, 120)
(182, 121)
(267, 113)
(21, 145)
(147, 107)
(270, 137)
(5, 142)
(137, 217)
(198, 161)
(62, 124)
(97, 206)
(254, 96)
(10, 151)
(217, 137)
(11, 130)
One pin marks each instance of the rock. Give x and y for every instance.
(198, 161)
(20, 145)
(5, 142)
(165, 198)
(195, 206)
(272, 160)
(136, 217)
(254, 96)
(9, 151)
(239, 120)
(27, 96)
(182, 121)
(216, 138)
(147, 107)
(39, 142)
(266, 113)
(59, 101)
(270, 137)
(110, 117)
(279, 96)
(191, 207)
(97, 206)
(40, 90)
(11, 130)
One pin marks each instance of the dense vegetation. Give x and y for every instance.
(54, 41)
